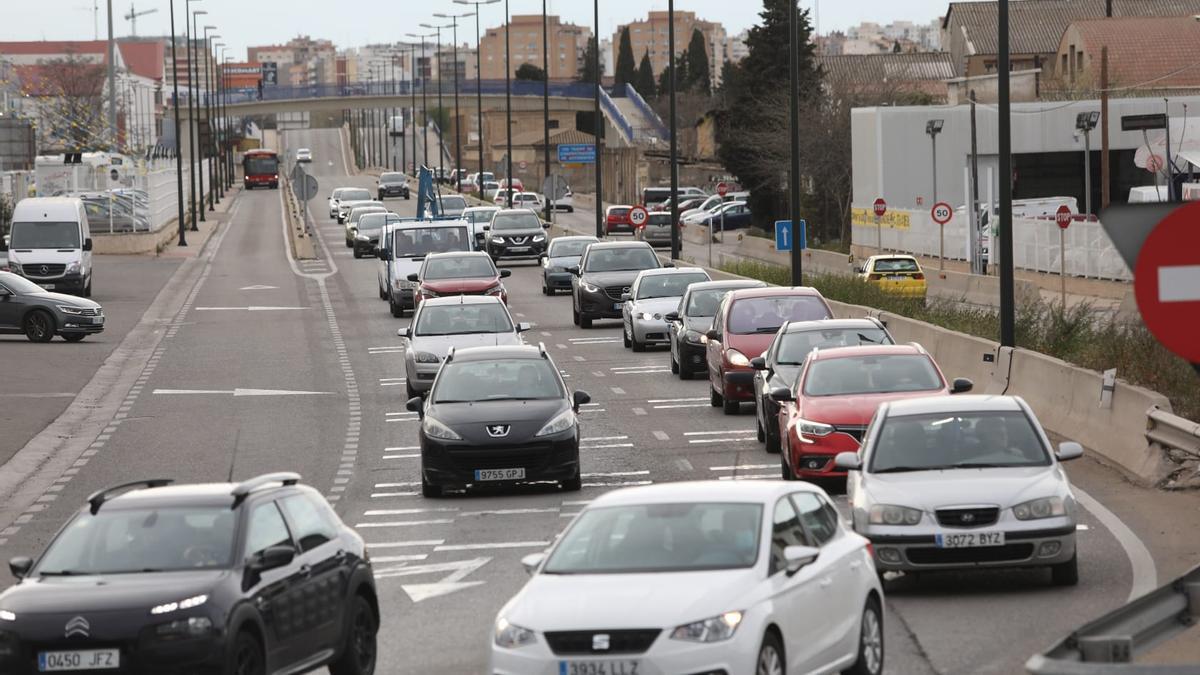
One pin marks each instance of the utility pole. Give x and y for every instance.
(674, 146)
(797, 258)
(977, 266)
(112, 82)
(599, 123)
(175, 109)
(546, 109)
(1007, 295)
(508, 107)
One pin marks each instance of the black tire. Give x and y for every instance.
(87, 290)
(759, 431)
(784, 470)
(246, 657)
(573, 484)
(74, 337)
(1066, 574)
(731, 407)
(771, 659)
(714, 397)
(429, 489)
(358, 651)
(397, 310)
(408, 389)
(570, 209)
(585, 322)
(349, 244)
(357, 254)
(574, 314)
(870, 641)
(771, 444)
(546, 291)
(685, 371)
(636, 344)
(674, 365)
(38, 326)
(625, 338)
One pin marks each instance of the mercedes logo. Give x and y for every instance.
(497, 430)
(78, 627)
(45, 269)
(600, 642)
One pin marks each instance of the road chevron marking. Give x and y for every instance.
(451, 583)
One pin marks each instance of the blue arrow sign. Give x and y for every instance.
(577, 153)
(784, 238)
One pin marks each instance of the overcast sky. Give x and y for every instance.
(355, 22)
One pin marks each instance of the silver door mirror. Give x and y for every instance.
(1068, 450)
(799, 557)
(532, 562)
(847, 461)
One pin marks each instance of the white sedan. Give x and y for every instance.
(737, 577)
(958, 482)
(304, 155)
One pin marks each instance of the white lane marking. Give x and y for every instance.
(618, 391)
(450, 583)
(593, 339)
(403, 419)
(643, 372)
(505, 512)
(606, 445)
(495, 545)
(1082, 527)
(415, 557)
(406, 544)
(382, 486)
(677, 400)
(246, 309)
(545, 333)
(400, 413)
(625, 483)
(620, 368)
(576, 502)
(241, 392)
(258, 288)
(569, 514)
(727, 432)
(661, 435)
(603, 438)
(1145, 574)
(722, 440)
(639, 411)
(384, 495)
(1179, 283)
(614, 474)
(750, 476)
(405, 523)
(47, 395)
(579, 358)
(592, 410)
(683, 464)
(559, 345)
(585, 405)
(411, 456)
(596, 373)
(385, 350)
(407, 512)
(402, 448)
(743, 467)
(681, 405)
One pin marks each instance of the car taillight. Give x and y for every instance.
(871, 550)
(874, 277)
(918, 276)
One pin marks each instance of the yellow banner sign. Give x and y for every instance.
(896, 220)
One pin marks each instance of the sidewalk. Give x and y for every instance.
(197, 239)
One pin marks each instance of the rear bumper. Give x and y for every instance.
(557, 280)
(453, 463)
(739, 385)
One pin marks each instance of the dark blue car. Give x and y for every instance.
(737, 214)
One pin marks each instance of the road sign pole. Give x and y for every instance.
(1062, 264)
(710, 239)
(878, 235)
(722, 226)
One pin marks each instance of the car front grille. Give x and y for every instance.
(46, 270)
(853, 430)
(615, 292)
(518, 241)
(89, 311)
(528, 457)
(979, 554)
(975, 517)
(634, 641)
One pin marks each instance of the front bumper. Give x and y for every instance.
(70, 283)
(455, 462)
(530, 249)
(367, 246)
(599, 305)
(557, 280)
(420, 375)
(692, 355)
(141, 654)
(651, 331)
(394, 192)
(1041, 545)
(813, 457)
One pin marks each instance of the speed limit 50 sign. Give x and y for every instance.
(941, 213)
(638, 216)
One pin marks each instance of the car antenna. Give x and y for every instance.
(237, 437)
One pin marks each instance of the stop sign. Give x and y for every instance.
(722, 189)
(1063, 216)
(1166, 282)
(880, 207)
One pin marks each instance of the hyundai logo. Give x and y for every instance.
(497, 430)
(600, 642)
(78, 627)
(967, 517)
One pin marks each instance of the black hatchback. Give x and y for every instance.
(250, 578)
(496, 416)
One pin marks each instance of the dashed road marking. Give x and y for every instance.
(661, 435)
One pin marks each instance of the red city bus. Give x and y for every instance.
(261, 169)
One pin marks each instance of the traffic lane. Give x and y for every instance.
(41, 380)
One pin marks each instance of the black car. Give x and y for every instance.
(604, 274)
(781, 364)
(39, 314)
(496, 416)
(393, 184)
(692, 320)
(515, 233)
(564, 252)
(150, 578)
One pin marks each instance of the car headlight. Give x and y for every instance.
(509, 635)
(1035, 509)
(6, 615)
(736, 358)
(559, 424)
(426, 293)
(810, 428)
(715, 629)
(67, 309)
(589, 288)
(187, 603)
(693, 336)
(426, 357)
(435, 429)
(362, 237)
(539, 237)
(887, 514)
(647, 316)
(497, 240)
(15, 267)
(498, 289)
(195, 626)
(74, 267)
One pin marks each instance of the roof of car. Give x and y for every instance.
(457, 254)
(928, 405)
(575, 237)
(489, 353)
(758, 491)
(669, 271)
(521, 211)
(769, 291)
(618, 206)
(895, 255)
(828, 324)
(867, 350)
(482, 208)
(731, 284)
(462, 300)
(619, 244)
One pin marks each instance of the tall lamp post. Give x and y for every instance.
(424, 105)
(413, 107)
(1085, 122)
(794, 127)
(195, 73)
(441, 145)
(546, 108)
(193, 162)
(933, 128)
(175, 109)
(598, 141)
(478, 81)
(208, 116)
(458, 165)
(674, 158)
(1008, 316)
(218, 68)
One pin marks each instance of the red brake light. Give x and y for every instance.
(918, 276)
(871, 550)
(874, 277)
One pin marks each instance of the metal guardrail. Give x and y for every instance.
(405, 88)
(1108, 645)
(1172, 432)
(616, 116)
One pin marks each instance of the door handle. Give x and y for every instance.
(305, 571)
(855, 564)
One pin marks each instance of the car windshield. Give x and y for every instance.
(624, 259)
(872, 374)
(668, 285)
(354, 195)
(463, 319)
(362, 211)
(44, 235)
(794, 347)
(515, 221)
(647, 538)
(896, 265)
(19, 285)
(478, 216)
(957, 441)
(453, 203)
(705, 302)
(257, 166)
(413, 242)
(496, 380)
(391, 178)
(566, 248)
(458, 267)
(766, 314)
(370, 222)
(120, 541)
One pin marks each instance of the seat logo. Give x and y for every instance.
(497, 430)
(600, 642)
(78, 627)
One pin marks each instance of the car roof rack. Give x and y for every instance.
(244, 488)
(97, 499)
(542, 349)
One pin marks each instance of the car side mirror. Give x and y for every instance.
(961, 385)
(668, 264)
(532, 562)
(758, 363)
(671, 317)
(1068, 450)
(579, 398)
(87, 244)
(781, 394)
(626, 296)
(273, 557)
(574, 269)
(848, 461)
(713, 334)
(504, 274)
(797, 558)
(860, 270)
(416, 404)
(545, 225)
(405, 332)
(524, 326)
(4, 292)
(20, 566)
(486, 228)
(414, 277)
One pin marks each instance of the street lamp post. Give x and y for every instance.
(1008, 316)
(478, 82)
(441, 145)
(458, 165)
(674, 158)
(508, 188)
(546, 109)
(794, 126)
(598, 142)
(191, 60)
(178, 157)
(424, 106)
(933, 128)
(218, 67)
(208, 117)
(1085, 122)
(413, 107)
(194, 69)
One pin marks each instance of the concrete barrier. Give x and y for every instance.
(131, 243)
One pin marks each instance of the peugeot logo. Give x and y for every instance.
(497, 430)
(45, 269)
(78, 627)
(600, 642)
(967, 517)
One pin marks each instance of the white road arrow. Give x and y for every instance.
(242, 392)
(258, 288)
(452, 582)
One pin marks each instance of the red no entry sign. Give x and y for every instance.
(1063, 216)
(722, 189)
(1154, 163)
(1166, 282)
(880, 207)
(941, 213)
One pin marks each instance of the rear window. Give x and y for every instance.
(412, 242)
(618, 211)
(624, 259)
(560, 248)
(875, 374)
(354, 195)
(659, 219)
(896, 265)
(668, 285)
(456, 203)
(767, 314)
(391, 178)
(794, 347)
(459, 267)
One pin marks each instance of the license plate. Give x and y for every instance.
(624, 667)
(896, 277)
(518, 249)
(48, 287)
(499, 474)
(617, 306)
(970, 539)
(90, 659)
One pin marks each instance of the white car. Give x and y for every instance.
(729, 577)
(565, 203)
(654, 294)
(528, 200)
(304, 155)
(478, 216)
(956, 482)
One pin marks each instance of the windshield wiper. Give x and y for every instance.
(864, 338)
(903, 469)
(766, 329)
(61, 573)
(982, 465)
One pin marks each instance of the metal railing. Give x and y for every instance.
(405, 88)
(618, 119)
(1172, 432)
(656, 122)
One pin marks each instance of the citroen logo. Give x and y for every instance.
(78, 627)
(967, 517)
(497, 430)
(600, 642)
(45, 269)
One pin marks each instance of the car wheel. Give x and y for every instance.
(573, 484)
(625, 336)
(397, 310)
(74, 337)
(636, 344)
(732, 407)
(247, 656)
(870, 642)
(771, 441)
(546, 291)
(1066, 574)
(39, 326)
(785, 470)
(408, 389)
(359, 650)
(87, 290)
(770, 656)
(574, 315)
(429, 489)
(758, 430)
(585, 322)
(674, 365)
(714, 397)
(349, 244)
(570, 209)
(357, 254)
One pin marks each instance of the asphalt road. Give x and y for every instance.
(315, 334)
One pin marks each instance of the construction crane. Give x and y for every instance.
(133, 15)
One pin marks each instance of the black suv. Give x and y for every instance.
(495, 416)
(155, 579)
(604, 274)
(515, 233)
(393, 184)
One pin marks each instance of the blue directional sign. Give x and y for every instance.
(783, 235)
(577, 153)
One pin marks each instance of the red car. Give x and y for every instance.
(836, 394)
(471, 273)
(616, 219)
(745, 323)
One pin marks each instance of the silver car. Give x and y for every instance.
(963, 482)
(453, 206)
(458, 321)
(654, 294)
(347, 204)
(657, 230)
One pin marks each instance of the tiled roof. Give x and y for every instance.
(143, 57)
(863, 68)
(1132, 62)
(557, 136)
(1035, 26)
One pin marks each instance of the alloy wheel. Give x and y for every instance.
(769, 661)
(872, 641)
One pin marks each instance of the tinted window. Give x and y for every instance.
(454, 203)
(355, 194)
(501, 379)
(794, 347)
(418, 241)
(922, 442)
(358, 213)
(462, 319)
(621, 259)
(458, 267)
(785, 531)
(880, 374)
(312, 522)
(47, 234)
(563, 248)
(659, 538)
(391, 178)
(481, 216)
(266, 529)
(659, 219)
(896, 265)
(515, 221)
(257, 166)
(704, 303)
(818, 517)
(767, 314)
(667, 285)
(375, 221)
(18, 284)
(618, 211)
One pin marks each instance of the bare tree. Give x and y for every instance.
(71, 100)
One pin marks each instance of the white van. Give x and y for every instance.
(405, 249)
(50, 244)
